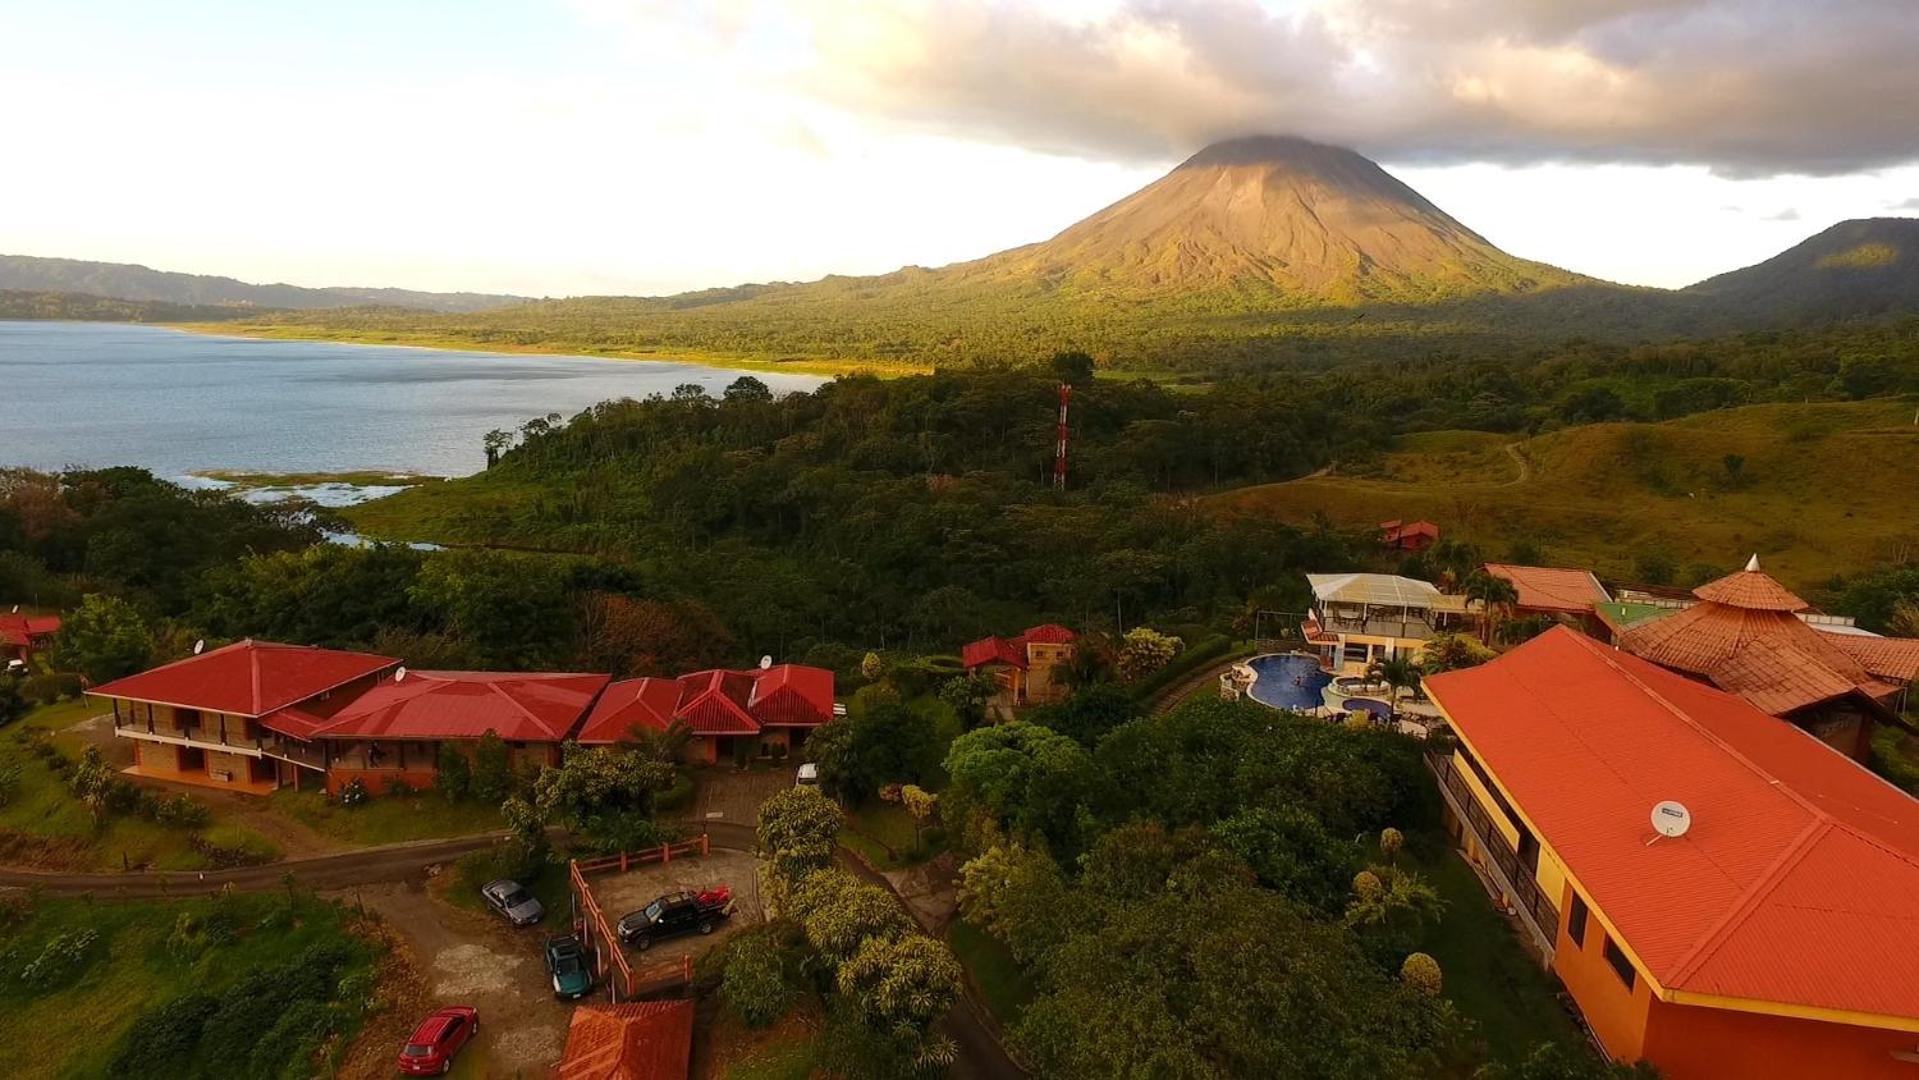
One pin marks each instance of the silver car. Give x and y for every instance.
(511, 899)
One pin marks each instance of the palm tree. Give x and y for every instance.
(1398, 673)
(1494, 594)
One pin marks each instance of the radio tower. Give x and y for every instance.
(1059, 450)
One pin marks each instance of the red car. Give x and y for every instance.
(430, 1051)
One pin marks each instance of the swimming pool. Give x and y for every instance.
(1288, 681)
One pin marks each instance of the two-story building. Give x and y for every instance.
(1359, 620)
(1031, 668)
(1722, 895)
(21, 636)
(238, 717)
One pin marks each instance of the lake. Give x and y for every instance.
(118, 394)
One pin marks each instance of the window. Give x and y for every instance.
(1576, 921)
(1620, 964)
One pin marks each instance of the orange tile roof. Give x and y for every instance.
(1790, 665)
(1895, 660)
(1751, 588)
(246, 678)
(1552, 588)
(1798, 882)
(641, 1040)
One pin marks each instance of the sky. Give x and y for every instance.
(568, 147)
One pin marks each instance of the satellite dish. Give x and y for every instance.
(399, 673)
(765, 662)
(1670, 819)
(199, 646)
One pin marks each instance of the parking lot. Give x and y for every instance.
(620, 893)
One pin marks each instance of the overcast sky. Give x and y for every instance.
(553, 147)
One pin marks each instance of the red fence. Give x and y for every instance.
(596, 933)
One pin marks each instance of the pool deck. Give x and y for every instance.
(1333, 697)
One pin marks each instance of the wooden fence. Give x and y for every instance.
(627, 860)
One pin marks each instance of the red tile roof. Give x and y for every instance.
(1752, 589)
(539, 707)
(293, 721)
(632, 704)
(992, 650)
(17, 629)
(713, 702)
(246, 678)
(792, 694)
(1798, 882)
(1552, 588)
(642, 1040)
(1012, 651)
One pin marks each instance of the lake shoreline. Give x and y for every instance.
(401, 340)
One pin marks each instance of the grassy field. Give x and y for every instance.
(72, 1025)
(44, 825)
(1488, 974)
(884, 835)
(1816, 490)
(385, 819)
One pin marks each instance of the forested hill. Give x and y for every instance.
(25, 304)
(125, 281)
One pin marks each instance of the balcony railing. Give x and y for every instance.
(1378, 626)
(1537, 911)
(299, 753)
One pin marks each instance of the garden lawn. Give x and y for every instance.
(882, 833)
(75, 1026)
(1488, 974)
(1000, 980)
(548, 883)
(386, 819)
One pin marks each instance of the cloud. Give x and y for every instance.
(1788, 214)
(1909, 204)
(1747, 87)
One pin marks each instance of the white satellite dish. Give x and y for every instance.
(765, 662)
(399, 673)
(1671, 819)
(199, 646)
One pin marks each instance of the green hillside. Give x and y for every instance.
(1866, 267)
(1817, 490)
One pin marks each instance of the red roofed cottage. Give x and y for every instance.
(763, 711)
(1030, 668)
(1778, 936)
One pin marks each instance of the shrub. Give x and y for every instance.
(756, 985)
(354, 792)
(397, 785)
(1421, 972)
(162, 1038)
(9, 783)
(492, 769)
(454, 776)
(49, 688)
(182, 811)
(61, 960)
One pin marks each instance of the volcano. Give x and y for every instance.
(1309, 223)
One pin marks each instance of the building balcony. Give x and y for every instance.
(1377, 626)
(197, 738)
(1536, 911)
(310, 755)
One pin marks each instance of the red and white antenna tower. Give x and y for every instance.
(1059, 449)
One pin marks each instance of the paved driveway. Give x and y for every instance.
(620, 893)
(725, 794)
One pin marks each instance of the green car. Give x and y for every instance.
(566, 962)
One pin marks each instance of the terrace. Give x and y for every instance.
(1508, 870)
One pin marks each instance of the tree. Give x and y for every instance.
(922, 804)
(513, 609)
(879, 741)
(756, 983)
(1495, 595)
(92, 782)
(1452, 652)
(1389, 909)
(492, 768)
(1031, 782)
(871, 667)
(13, 704)
(1018, 895)
(967, 695)
(901, 985)
(1292, 853)
(528, 828)
(838, 914)
(1144, 651)
(625, 636)
(452, 774)
(1399, 673)
(1735, 465)
(798, 831)
(746, 388)
(591, 781)
(104, 638)
(1073, 368)
(1089, 714)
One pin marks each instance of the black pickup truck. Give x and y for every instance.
(675, 914)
